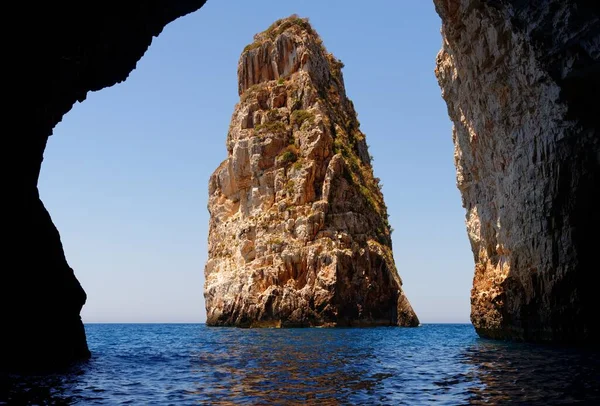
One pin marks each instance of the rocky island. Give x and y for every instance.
(299, 233)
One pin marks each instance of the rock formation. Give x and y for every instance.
(62, 51)
(298, 231)
(521, 80)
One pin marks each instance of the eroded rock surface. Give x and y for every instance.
(298, 231)
(521, 80)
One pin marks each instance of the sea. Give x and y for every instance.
(192, 364)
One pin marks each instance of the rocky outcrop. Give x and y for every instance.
(298, 230)
(62, 50)
(521, 80)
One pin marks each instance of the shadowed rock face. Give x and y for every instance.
(298, 231)
(521, 80)
(59, 53)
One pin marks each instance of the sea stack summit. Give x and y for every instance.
(299, 234)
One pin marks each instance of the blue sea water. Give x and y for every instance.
(185, 364)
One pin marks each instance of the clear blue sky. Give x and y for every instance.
(125, 175)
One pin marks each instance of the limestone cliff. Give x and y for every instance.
(521, 80)
(298, 230)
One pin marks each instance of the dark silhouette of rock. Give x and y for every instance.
(59, 52)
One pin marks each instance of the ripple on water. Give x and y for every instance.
(190, 363)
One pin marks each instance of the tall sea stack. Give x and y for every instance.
(299, 232)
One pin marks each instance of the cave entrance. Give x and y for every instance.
(125, 174)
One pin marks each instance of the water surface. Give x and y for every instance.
(180, 364)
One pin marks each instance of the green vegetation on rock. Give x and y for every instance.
(278, 27)
(283, 24)
(300, 116)
(274, 127)
(289, 155)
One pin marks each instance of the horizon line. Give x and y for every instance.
(204, 322)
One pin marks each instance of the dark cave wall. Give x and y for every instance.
(58, 52)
